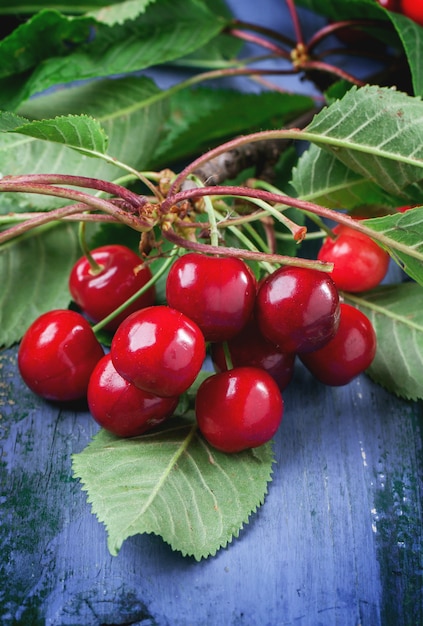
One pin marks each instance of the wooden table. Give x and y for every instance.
(338, 540)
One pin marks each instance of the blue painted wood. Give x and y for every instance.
(338, 540)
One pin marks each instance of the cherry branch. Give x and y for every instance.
(240, 253)
(113, 189)
(303, 205)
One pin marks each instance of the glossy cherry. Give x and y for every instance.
(250, 348)
(239, 409)
(390, 5)
(218, 293)
(57, 355)
(298, 309)
(348, 354)
(412, 9)
(121, 274)
(359, 262)
(120, 407)
(159, 349)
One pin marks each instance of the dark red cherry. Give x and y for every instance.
(120, 407)
(57, 354)
(99, 292)
(218, 293)
(298, 309)
(348, 354)
(359, 262)
(239, 409)
(250, 348)
(159, 349)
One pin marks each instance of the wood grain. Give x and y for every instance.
(338, 540)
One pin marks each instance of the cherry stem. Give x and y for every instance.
(39, 220)
(330, 29)
(90, 201)
(331, 69)
(295, 21)
(113, 189)
(248, 255)
(303, 205)
(228, 356)
(157, 274)
(268, 45)
(269, 32)
(95, 268)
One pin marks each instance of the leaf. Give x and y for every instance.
(406, 229)
(76, 131)
(44, 35)
(396, 313)
(168, 30)
(120, 12)
(321, 178)
(376, 132)
(122, 108)
(171, 483)
(192, 126)
(411, 35)
(39, 265)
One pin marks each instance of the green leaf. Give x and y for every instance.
(173, 484)
(377, 133)
(201, 117)
(120, 12)
(126, 110)
(76, 131)
(406, 229)
(396, 313)
(411, 35)
(47, 34)
(321, 178)
(39, 265)
(168, 30)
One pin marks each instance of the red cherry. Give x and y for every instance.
(412, 9)
(218, 293)
(349, 353)
(99, 293)
(57, 354)
(159, 349)
(359, 262)
(407, 207)
(250, 348)
(298, 309)
(390, 5)
(239, 409)
(120, 407)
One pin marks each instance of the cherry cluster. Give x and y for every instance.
(254, 330)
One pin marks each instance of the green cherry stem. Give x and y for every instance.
(162, 269)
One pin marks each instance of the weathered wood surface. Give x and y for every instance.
(338, 540)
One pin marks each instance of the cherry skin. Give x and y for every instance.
(159, 349)
(239, 409)
(120, 407)
(99, 293)
(359, 262)
(57, 354)
(390, 5)
(412, 9)
(218, 293)
(250, 348)
(348, 354)
(298, 309)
